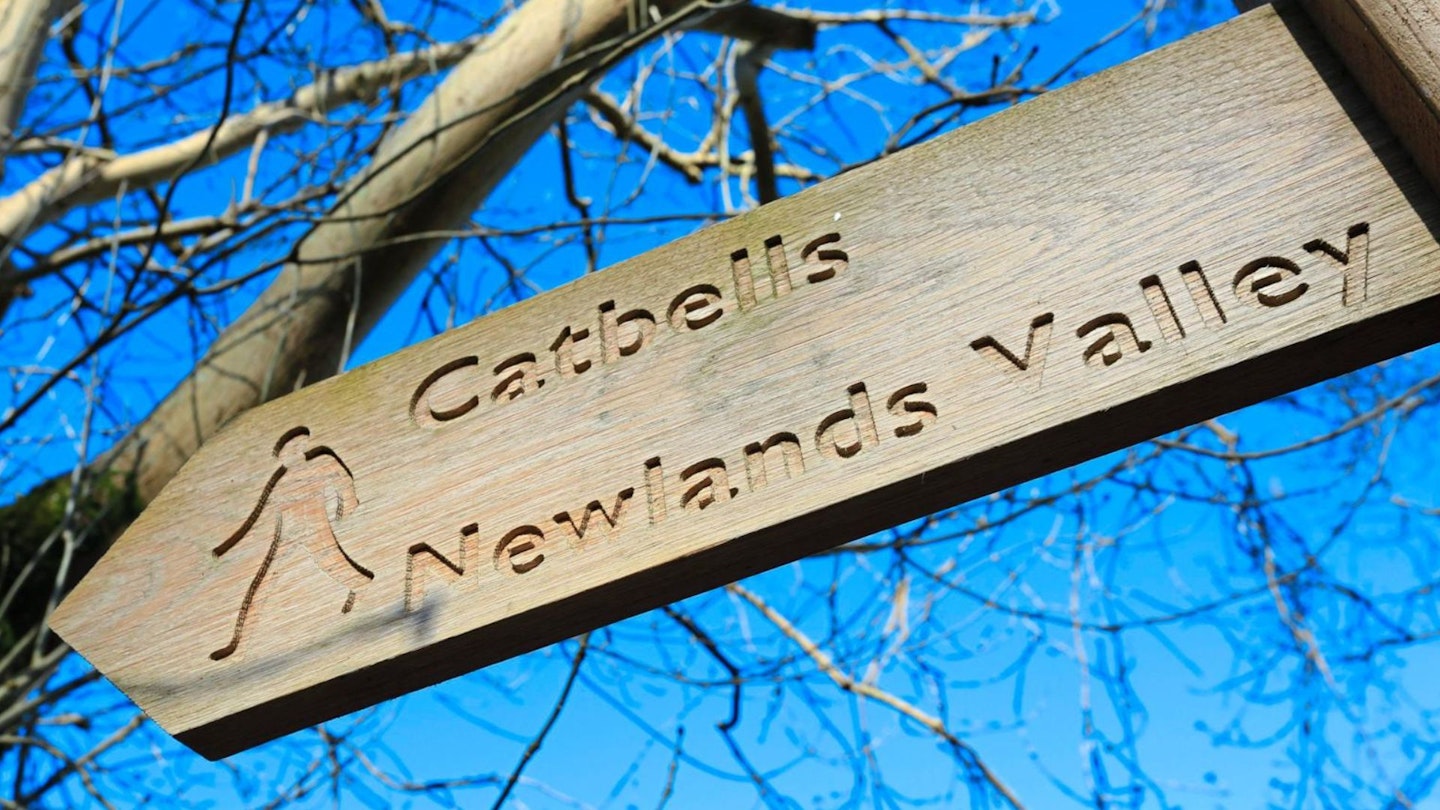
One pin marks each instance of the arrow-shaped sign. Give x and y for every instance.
(1207, 226)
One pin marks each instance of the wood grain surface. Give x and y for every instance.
(1392, 48)
(1204, 227)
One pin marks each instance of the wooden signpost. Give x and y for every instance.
(1209, 225)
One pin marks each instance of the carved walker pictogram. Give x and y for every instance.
(298, 498)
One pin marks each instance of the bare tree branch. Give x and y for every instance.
(427, 177)
(868, 690)
(749, 59)
(24, 30)
(90, 176)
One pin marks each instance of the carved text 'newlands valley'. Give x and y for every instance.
(311, 492)
(661, 491)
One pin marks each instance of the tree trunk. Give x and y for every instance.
(423, 183)
(24, 29)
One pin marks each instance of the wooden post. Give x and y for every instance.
(1207, 226)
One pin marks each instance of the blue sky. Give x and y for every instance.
(1192, 712)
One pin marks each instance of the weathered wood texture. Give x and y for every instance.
(1392, 48)
(1207, 226)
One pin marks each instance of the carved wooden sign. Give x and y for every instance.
(1186, 234)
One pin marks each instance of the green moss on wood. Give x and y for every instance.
(105, 504)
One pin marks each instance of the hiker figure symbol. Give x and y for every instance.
(296, 507)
